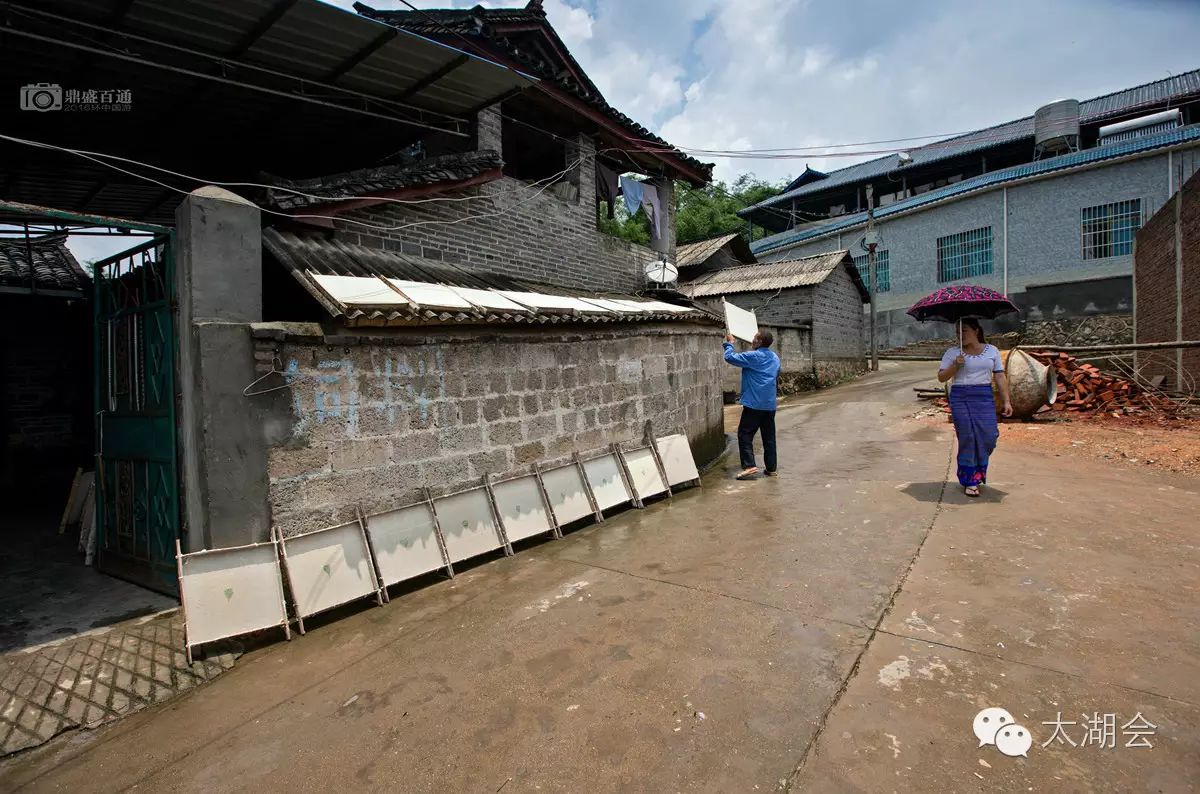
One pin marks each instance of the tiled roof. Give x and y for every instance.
(788, 274)
(362, 285)
(367, 182)
(692, 254)
(498, 25)
(53, 266)
(1119, 103)
(791, 237)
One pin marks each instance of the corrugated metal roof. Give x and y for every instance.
(45, 264)
(370, 286)
(288, 81)
(788, 274)
(1115, 104)
(692, 254)
(992, 179)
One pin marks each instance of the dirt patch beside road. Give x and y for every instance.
(1160, 442)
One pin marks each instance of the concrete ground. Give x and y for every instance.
(46, 592)
(835, 629)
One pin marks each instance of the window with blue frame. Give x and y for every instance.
(883, 273)
(964, 255)
(1108, 230)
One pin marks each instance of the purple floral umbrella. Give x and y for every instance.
(958, 302)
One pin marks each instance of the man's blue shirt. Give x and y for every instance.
(760, 368)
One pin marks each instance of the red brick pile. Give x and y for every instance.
(1084, 388)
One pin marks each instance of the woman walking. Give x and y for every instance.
(972, 367)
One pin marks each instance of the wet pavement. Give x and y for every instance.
(835, 629)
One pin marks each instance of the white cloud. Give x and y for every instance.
(788, 73)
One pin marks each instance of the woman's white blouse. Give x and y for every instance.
(979, 368)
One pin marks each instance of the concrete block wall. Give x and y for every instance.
(1043, 235)
(1167, 287)
(374, 419)
(524, 231)
(838, 322)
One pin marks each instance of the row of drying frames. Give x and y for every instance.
(229, 592)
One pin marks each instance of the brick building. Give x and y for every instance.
(418, 295)
(1166, 278)
(539, 348)
(813, 306)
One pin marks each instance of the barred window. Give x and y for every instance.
(883, 274)
(1108, 230)
(964, 255)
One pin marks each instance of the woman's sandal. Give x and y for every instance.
(748, 474)
(972, 491)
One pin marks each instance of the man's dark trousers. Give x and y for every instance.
(754, 421)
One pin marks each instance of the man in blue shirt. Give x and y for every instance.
(760, 370)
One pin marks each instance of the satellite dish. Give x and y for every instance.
(661, 271)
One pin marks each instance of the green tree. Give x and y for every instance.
(631, 228)
(711, 210)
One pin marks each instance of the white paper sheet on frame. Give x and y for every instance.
(489, 299)
(328, 567)
(604, 475)
(228, 592)
(404, 543)
(435, 296)
(467, 524)
(538, 300)
(676, 454)
(565, 488)
(739, 322)
(519, 503)
(361, 290)
(643, 472)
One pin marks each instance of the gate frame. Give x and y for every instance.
(159, 235)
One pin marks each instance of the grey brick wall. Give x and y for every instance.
(1044, 240)
(374, 422)
(838, 320)
(513, 228)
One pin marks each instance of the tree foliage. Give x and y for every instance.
(710, 211)
(700, 212)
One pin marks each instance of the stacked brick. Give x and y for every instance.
(1083, 388)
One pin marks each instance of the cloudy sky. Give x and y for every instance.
(767, 74)
(771, 74)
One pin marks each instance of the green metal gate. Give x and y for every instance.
(137, 479)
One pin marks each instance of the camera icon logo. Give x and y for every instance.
(41, 97)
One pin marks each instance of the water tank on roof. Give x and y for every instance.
(1056, 128)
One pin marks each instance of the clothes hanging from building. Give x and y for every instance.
(654, 211)
(631, 189)
(608, 185)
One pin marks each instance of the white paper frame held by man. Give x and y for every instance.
(739, 322)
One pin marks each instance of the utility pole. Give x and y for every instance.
(872, 241)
